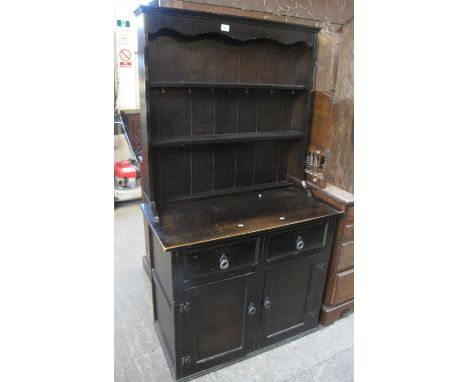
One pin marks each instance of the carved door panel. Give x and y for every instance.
(219, 321)
(291, 301)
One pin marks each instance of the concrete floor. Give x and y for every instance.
(326, 355)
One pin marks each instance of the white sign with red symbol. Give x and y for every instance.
(125, 57)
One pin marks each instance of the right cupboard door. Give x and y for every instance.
(292, 298)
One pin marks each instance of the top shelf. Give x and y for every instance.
(157, 85)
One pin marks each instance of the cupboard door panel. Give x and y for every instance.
(291, 299)
(218, 326)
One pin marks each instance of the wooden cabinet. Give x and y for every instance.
(339, 290)
(238, 249)
(220, 321)
(219, 312)
(291, 299)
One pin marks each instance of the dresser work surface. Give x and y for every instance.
(193, 222)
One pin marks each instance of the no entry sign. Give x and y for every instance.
(125, 55)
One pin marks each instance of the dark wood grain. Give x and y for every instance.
(226, 85)
(219, 218)
(226, 138)
(266, 163)
(291, 313)
(217, 327)
(193, 23)
(202, 170)
(208, 261)
(203, 111)
(225, 119)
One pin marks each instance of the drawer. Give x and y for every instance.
(220, 259)
(344, 287)
(297, 241)
(350, 215)
(346, 259)
(348, 233)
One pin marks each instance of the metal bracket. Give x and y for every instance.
(184, 307)
(304, 186)
(312, 314)
(186, 360)
(155, 212)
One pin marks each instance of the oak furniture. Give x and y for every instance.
(238, 250)
(338, 298)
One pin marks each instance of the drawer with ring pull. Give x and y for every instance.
(303, 241)
(221, 260)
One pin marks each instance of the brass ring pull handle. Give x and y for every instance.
(267, 302)
(299, 243)
(251, 309)
(223, 262)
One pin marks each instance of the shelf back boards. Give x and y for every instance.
(204, 88)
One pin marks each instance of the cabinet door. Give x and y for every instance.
(292, 297)
(219, 321)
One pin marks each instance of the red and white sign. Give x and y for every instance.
(125, 55)
(125, 64)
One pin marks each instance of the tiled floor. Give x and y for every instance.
(326, 355)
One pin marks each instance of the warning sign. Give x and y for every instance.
(125, 55)
(125, 64)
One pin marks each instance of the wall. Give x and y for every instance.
(332, 124)
(341, 164)
(126, 78)
(334, 11)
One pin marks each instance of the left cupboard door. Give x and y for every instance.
(218, 322)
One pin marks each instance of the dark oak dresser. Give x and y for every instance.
(237, 247)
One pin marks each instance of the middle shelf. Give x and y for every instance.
(225, 138)
(226, 85)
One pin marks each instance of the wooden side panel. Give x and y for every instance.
(348, 234)
(162, 264)
(165, 316)
(344, 287)
(350, 215)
